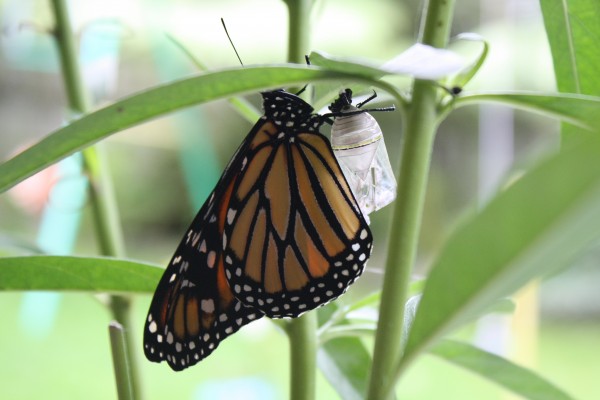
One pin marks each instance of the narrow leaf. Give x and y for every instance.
(419, 61)
(580, 110)
(147, 105)
(517, 379)
(533, 228)
(573, 31)
(466, 75)
(344, 64)
(77, 273)
(345, 363)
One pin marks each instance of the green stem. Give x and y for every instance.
(121, 365)
(303, 356)
(102, 199)
(68, 58)
(299, 29)
(104, 204)
(302, 332)
(419, 133)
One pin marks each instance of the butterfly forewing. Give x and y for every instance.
(193, 308)
(296, 238)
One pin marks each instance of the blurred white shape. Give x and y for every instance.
(248, 388)
(471, 36)
(357, 143)
(425, 62)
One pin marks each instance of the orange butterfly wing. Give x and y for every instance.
(295, 236)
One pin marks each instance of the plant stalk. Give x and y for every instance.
(419, 134)
(299, 29)
(102, 199)
(72, 80)
(303, 356)
(302, 331)
(120, 361)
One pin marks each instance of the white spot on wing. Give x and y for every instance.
(210, 260)
(230, 215)
(207, 305)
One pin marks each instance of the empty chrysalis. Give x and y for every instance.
(358, 144)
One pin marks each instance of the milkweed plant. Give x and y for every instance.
(529, 229)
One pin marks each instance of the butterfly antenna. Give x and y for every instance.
(231, 41)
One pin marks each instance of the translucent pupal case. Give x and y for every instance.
(357, 143)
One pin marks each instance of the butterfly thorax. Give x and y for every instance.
(290, 113)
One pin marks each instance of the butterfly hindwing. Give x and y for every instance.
(295, 237)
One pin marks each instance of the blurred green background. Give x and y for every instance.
(56, 346)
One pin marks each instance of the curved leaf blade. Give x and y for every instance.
(345, 362)
(90, 274)
(533, 228)
(573, 31)
(344, 64)
(580, 110)
(513, 377)
(465, 76)
(150, 104)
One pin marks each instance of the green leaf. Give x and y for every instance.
(345, 362)
(410, 311)
(580, 110)
(152, 103)
(77, 273)
(465, 76)
(533, 228)
(519, 380)
(573, 32)
(356, 329)
(572, 29)
(371, 300)
(348, 65)
(327, 312)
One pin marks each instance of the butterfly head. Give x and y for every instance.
(290, 112)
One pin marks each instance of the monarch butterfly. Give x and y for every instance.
(281, 234)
